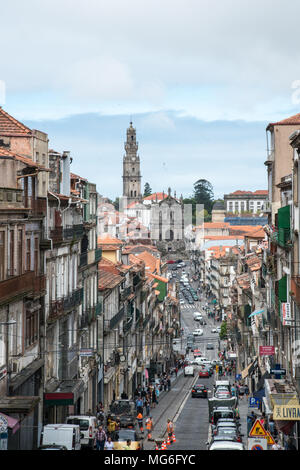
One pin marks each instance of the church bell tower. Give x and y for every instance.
(131, 168)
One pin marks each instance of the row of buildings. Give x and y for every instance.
(84, 317)
(255, 281)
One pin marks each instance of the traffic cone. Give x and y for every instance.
(173, 437)
(156, 447)
(168, 441)
(149, 436)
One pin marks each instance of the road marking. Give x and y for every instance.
(184, 401)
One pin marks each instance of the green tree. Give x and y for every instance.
(147, 190)
(203, 194)
(116, 203)
(223, 332)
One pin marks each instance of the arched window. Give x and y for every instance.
(134, 193)
(131, 192)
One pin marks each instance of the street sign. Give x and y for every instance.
(257, 443)
(270, 439)
(254, 402)
(3, 432)
(287, 412)
(278, 371)
(257, 430)
(266, 350)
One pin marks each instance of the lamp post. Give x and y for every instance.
(7, 324)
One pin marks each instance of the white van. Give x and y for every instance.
(67, 435)
(88, 428)
(189, 370)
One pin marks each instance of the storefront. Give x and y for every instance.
(282, 399)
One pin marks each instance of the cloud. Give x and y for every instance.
(175, 151)
(211, 59)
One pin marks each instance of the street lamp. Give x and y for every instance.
(7, 324)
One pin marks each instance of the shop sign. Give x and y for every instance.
(286, 314)
(266, 350)
(286, 412)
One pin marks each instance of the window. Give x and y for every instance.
(32, 322)
(36, 255)
(2, 256)
(28, 254)
(11, 253)
(20, 252)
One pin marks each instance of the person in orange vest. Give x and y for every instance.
(149, 426)
(170, 429)
(140, 421)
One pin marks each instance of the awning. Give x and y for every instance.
(256, 312)
(18, 404)
(12, 423)
(67, 393)
(249, 369)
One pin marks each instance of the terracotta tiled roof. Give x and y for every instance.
(262, 192)
(253, 262)
(152, 197)
(244, 281)
(108, 280)
(149, 260)
(208, 225)
(27, 161)
(76, 177)
(292, 120)
(160, 278)
(109, 240)
(244, 229)
(224, 237)
(9, 126)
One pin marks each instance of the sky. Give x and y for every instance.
(200, 79)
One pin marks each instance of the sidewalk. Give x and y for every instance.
(163, 405)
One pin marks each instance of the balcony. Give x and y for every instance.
(284, 237)
(21, 285)
(67, 233)
(127, 325)
(125, 293)
(83, 259)
(61, 306)
(98, 254)
(117, 318)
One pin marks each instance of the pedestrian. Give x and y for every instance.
(114, 395)
(111, 428)
(247, 391)
(176, 371)
(276, 446)
(262, 419)
(140, 421)
(170, 429)
(169, 384)
(149, 427)
(100, 438)
(147, 406)
(109, 445)
(139, 405)
(272, 426)
(157, 394)
(165, 385)
(128, 445)
(153, 398)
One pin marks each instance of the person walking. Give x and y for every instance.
(169, 383)
(153, 398)
(147, 407)
(128, 445)
(100, 438)
(109, 445)
(140, 421)
(111, 428)
(170, 429)
(139, 405)
(149, 427)
(276, 446)
(157, 394)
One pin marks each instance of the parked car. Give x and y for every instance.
(222, 412)
(67, 435)
(199, 390)
(189, 370)
(87, 426)
(197, 314)
(213, 330)
(52, 447)
(210, 346)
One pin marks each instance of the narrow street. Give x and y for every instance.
(190, 415)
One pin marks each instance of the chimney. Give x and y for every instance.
(65, 169)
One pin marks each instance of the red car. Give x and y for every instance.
(197, 353)
(204, 373)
